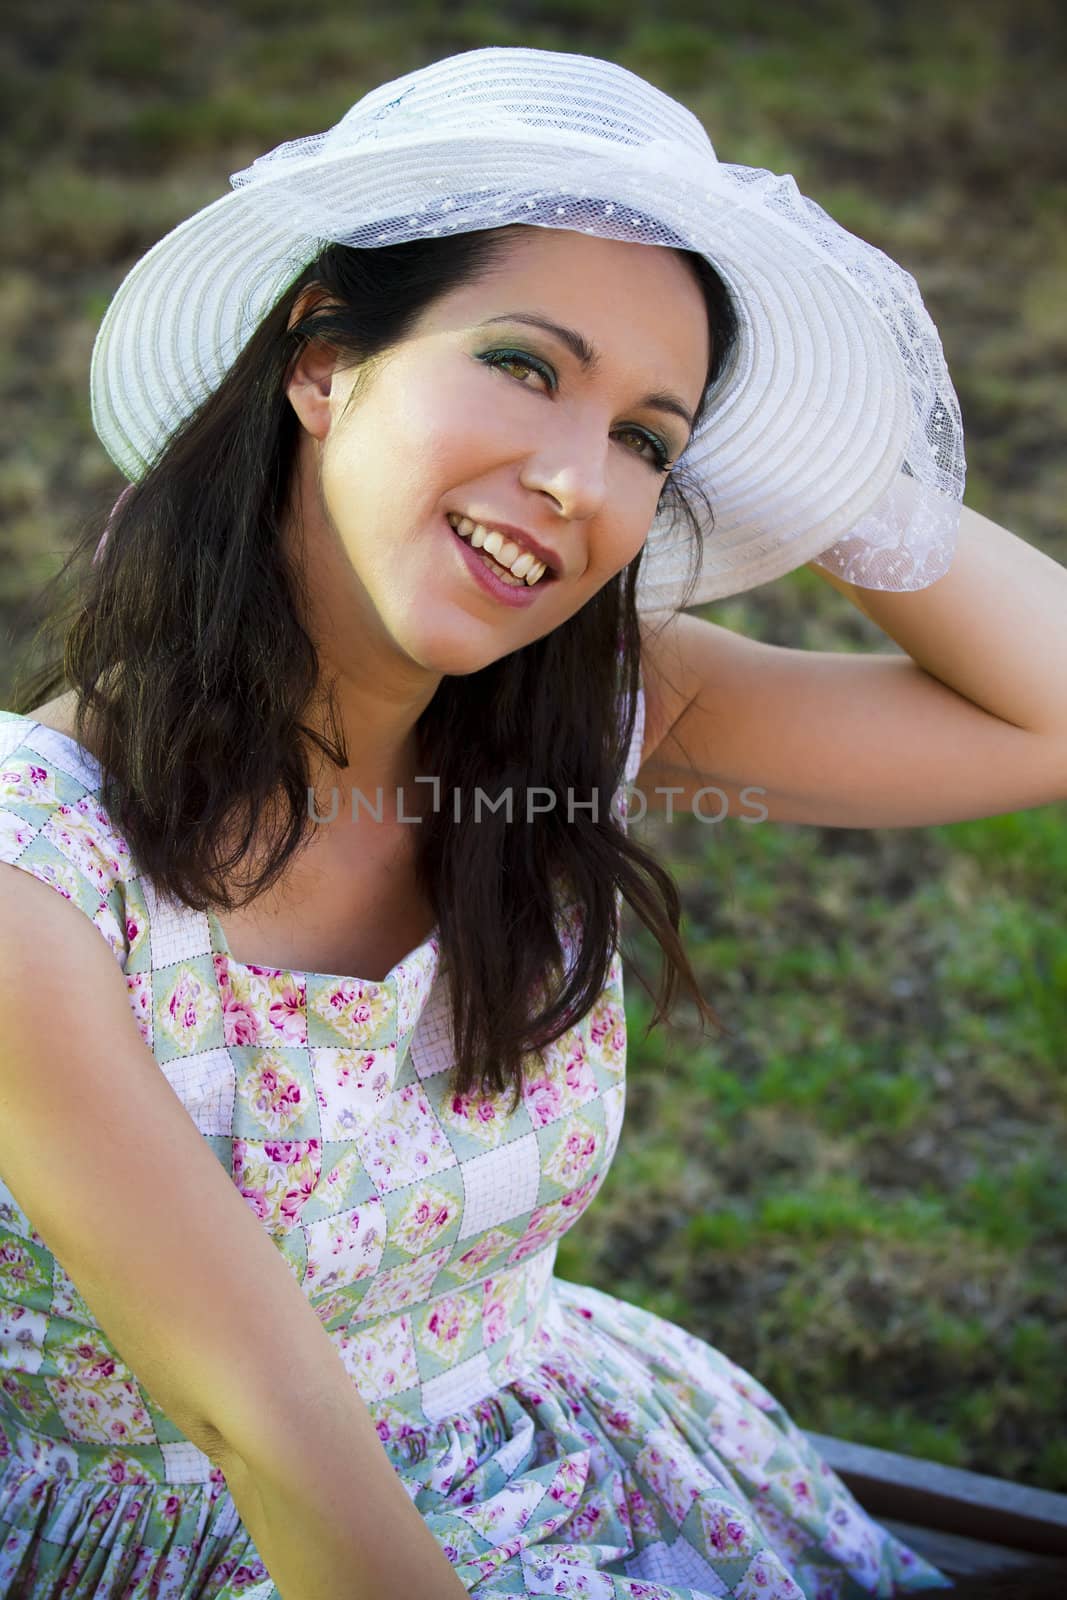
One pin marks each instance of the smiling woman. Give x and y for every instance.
(418, 643)
(433, 359)
(559, 435)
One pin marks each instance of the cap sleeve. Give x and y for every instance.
(53, 825)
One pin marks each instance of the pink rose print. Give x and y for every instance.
(724, 1533)
(486, 1247)
(286, 1151)
(575, 1064)
(641, 1514)
(552, 1220)
(494, 1322)
(287, 1010)
(578, 1198)
(257, 1202)
(543, 1101)
(239, 1025)
(182, 1003)
(532, 1241)
(444, 1326)
(580, 1147)
(344, 995)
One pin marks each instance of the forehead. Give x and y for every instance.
(634, 302)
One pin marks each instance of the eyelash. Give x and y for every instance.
(498, 358)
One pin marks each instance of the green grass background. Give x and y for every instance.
(862, 1195)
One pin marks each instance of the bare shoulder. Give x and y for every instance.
(104, 1158)
(57, 714)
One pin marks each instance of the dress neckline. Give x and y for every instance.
(222, 947)
(219, 942)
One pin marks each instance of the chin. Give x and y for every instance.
(454, 654)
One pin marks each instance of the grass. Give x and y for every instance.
(860, 1196)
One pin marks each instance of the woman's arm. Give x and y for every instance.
(184, 1281)
(970, 722)
(994, 628)
(330, 1517)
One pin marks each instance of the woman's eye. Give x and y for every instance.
(656, 453)
(515, 358)
(659, 456)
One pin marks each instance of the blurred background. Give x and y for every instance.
(861, 1196)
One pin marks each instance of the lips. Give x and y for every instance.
(510, 534)
(509, 594)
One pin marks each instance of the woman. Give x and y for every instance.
(344, 798)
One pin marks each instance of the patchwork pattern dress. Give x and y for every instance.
(557, 1440)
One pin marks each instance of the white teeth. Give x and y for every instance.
(504, 551)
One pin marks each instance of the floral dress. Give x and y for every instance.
(557, 1440)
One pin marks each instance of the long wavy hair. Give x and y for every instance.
(186, 644)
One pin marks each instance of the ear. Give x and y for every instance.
(310, 382)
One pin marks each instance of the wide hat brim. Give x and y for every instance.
(808, 429)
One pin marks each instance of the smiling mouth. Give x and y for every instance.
(530, 571)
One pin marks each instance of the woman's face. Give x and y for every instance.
(478, 412)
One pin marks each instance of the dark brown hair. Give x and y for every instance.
(186, 645)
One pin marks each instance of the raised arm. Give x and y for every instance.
(971, 722)
(108, 1166)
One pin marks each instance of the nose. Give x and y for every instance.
(570, 465)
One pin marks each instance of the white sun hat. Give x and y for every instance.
(834, 434)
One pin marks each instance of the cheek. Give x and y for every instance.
(425, 444)
(623, 539)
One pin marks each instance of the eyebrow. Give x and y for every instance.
(588, 358)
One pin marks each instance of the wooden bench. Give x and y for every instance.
(964, 1522)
